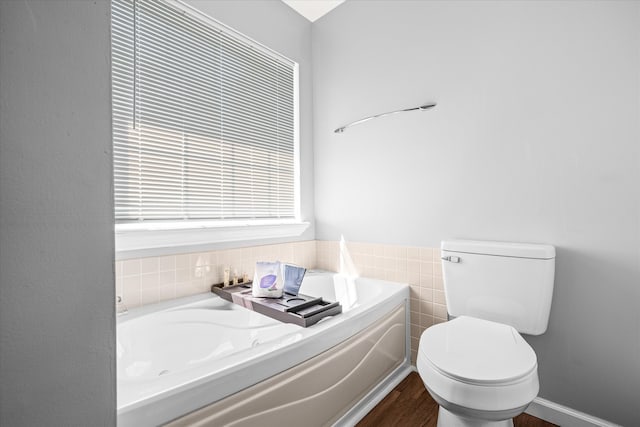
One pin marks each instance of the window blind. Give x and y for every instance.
(203, 120)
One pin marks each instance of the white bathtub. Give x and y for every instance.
(178, 356)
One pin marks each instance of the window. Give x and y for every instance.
(204, 122)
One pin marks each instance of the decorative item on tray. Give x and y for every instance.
(273, 278)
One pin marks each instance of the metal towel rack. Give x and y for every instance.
(366, 119)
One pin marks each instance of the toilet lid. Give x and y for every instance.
(478, 351)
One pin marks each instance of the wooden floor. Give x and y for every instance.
(409, 404)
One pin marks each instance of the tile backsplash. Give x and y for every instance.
(142, 281)
(149, 280)
(420, 267)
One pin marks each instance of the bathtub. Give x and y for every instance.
(189, 360)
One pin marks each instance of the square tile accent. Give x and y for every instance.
(154, 279)
(420, 267)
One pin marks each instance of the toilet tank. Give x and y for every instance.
(510, 283)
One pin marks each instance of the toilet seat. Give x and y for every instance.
(478, 364)
(478, 351)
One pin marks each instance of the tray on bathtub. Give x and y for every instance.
(302, 310)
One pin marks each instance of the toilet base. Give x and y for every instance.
(449, 419)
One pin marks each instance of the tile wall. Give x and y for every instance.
(418, 266)
(144, 281)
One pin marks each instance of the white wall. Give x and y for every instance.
(535, 138)
(57, 322)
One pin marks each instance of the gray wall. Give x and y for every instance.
(57, 356)
(535, 138)
(280, 28)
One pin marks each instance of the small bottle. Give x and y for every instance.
(225, 277)
(235, 277)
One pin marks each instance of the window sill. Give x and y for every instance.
(156, 239)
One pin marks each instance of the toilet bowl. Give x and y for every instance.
(480, 372)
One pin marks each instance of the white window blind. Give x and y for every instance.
(203, 120)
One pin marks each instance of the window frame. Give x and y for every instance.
(152, 238)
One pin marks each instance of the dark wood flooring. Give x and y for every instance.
(410, 405)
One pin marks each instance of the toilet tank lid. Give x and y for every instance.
(509, 249)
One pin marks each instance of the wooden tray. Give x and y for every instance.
(302, 310)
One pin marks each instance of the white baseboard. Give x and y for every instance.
(563, 415)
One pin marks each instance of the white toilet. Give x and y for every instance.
(477, 366)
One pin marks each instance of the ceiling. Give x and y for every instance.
(313, 9)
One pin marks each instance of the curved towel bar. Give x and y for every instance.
(366, 119)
